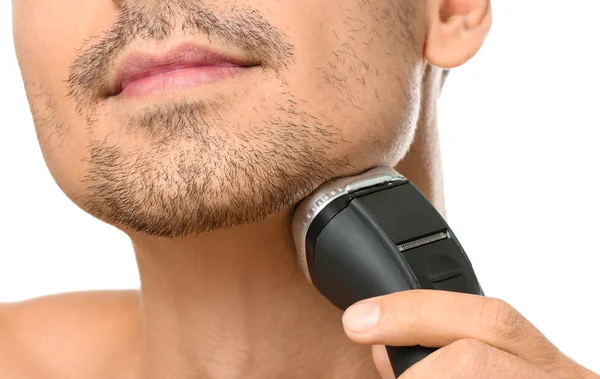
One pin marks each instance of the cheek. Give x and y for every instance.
(47, 35)
(357, 69)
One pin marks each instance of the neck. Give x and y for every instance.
(234, 304)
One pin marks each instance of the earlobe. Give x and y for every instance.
(456, 30)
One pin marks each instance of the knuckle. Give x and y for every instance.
(382, 362)
(468, 358)
(501, 319)
(410, 373)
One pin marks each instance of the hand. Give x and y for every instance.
(479, 337)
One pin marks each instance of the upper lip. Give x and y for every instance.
(140, 64)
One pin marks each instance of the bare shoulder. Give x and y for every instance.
(84, 334)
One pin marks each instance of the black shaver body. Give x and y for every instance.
(375, 234)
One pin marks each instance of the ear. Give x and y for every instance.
(456, 30)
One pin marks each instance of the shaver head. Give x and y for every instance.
(307, 211)
(373, 234)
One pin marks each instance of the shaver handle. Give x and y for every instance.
(402, 357)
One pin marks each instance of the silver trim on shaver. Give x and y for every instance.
(313, 204)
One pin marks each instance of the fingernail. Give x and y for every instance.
(361, 317)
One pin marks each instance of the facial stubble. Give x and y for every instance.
(202, 174)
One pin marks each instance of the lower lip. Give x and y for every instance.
(179, 79)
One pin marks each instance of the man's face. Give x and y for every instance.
(333, 90)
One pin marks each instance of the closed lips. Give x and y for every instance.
(138, 66)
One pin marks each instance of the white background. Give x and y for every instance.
(520, 133)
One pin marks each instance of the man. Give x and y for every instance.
(195, 127)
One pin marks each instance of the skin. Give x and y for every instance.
(204, 182)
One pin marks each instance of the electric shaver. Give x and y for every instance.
(374, 234)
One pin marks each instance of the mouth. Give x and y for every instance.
(186, 65)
